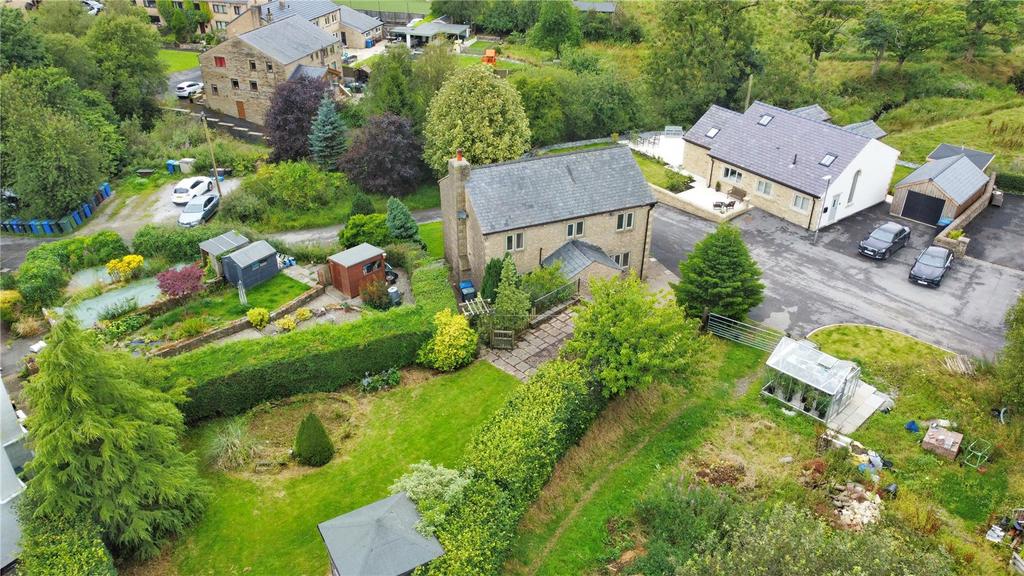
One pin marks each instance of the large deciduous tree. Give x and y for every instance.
(820, 23)
(875, 32)
(919, 25)
(997, 23)
(106, 443)
(289, 120)
(701, 54)
(22, 44)
(63, 17)
(390, 88)
(479, 113)
(327, 136)
(627, 338)
(71, 54)
(127, 51)
(557, 27)
(385, 156)
(719, 275)
(429, 73)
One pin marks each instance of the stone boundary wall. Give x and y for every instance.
(959, 245)
(182, 346)
(668, 198)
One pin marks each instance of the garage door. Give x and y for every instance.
(923, 208)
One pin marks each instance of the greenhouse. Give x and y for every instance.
(810, 381)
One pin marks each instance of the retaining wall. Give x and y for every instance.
(959, 245)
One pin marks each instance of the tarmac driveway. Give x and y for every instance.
(997, 234)
(812, 285)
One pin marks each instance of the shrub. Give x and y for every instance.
(383, 381)
(407, 255)
(375, 295)
(434, 489)
(119, 308)
(453, 344)
(82, 252)
(174, 243)
(231, 447)
(401, 225)
(258, 317)
(296, 185)
(28, 326)
(512, 305)
(303, 314)
(41, 281)
(544, 281)
(361, 204)
(285, 323)
(182, 282)
(477, 532)
(126, 268)
(369, 228)
(10, 305)
(954, 234)
(243, 206)
(64, 544)
(312, 445)
(8, 281)
(191, 327)
(1010, 182)
(320, 359)
(114, 330)
(677, 182)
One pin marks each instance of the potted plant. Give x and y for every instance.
(809, 399)
(822, 406)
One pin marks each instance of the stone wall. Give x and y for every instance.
(959, 245)
(669, 198)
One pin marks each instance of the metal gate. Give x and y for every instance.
(503, 339)
(753, 335)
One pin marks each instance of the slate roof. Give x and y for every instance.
(769, 150)
(957, 175)
(356, 254)
(979, 158)
(224, 243)
(715, 117)
(379, 539)
(289, 39)
(576, 255)
(533, 191)
(812, 112)
(866, 128)
(603, 7)
(305, 71)
(305, 9)
(254, 252)
(358, 20)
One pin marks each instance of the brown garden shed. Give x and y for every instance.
(353, 268)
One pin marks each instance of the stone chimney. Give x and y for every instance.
(454, 215)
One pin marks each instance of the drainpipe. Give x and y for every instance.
(643, 258)
(814, 202)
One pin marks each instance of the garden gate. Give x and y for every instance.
(753, 335)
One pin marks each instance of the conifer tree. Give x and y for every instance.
(719, 275)
(327, 136)
(401, 224)
(492, 276)
(106, 443)
(512, 305)
(312, 445)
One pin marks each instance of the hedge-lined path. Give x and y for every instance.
(538, 345)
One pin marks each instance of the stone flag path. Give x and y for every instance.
(537, 346)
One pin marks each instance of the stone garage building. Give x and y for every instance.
(940, 189)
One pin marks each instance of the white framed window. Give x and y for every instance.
(828, 159)
(221, 25)
(765, 119)
(514, 242)
(801, 203)
(712, 133)
(574, 229)
(622, 259)
(731, 174)
(624, 221)
(220, 9)
(853, 187)
(764, 187)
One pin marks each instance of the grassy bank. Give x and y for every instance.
(178, 60)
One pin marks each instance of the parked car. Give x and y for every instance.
(931, 266)
(190, 88)
(884, 241)
(92, 7)
(348, 58)
(189, 188)
(199, 210)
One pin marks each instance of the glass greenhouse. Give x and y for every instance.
(806, 379)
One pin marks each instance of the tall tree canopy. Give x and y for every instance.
(997, 23)
(63, 18)
(819, 23)
(70, 53)
(390, 88)
(293, 105)
(22, 43)
(719, 275)
(127, 50)
(385, 156)
(918, 25)
(701, 54)
(557, 27)
(106, 443)
(429, 73)
(479, 113)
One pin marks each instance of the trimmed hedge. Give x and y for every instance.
(234, 377)
(1010, 182)
(66, 545)
(176, 244)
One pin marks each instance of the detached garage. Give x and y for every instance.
(940, 189)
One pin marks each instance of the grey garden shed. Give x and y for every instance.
(378, 539)
(252, 265)
(216, 247)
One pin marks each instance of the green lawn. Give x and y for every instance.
(433, 235)
(411, 6)
(466, 60)
(178, 60)
(654, 170)
(577, 148)
(269, 526)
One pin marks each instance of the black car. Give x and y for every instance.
(931, 266)
(884, 241)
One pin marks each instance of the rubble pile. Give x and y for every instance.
(856, 507)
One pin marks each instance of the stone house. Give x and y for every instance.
(351, 27)
(241, 73)
(794, 164)
(944, 187)
(590, 210)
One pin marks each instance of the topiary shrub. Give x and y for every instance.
(312, 445)
(453, 345)
(258, 317)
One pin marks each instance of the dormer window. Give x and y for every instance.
(765, 119)
(712, 133)
(828, 160)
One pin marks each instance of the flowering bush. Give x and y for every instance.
(286, 324)
(453, 344)
(10, 303)
(183, 282)
(258, 317)
(123, 269)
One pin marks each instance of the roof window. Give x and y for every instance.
(712, 133)
(828, 160)
(765, 119)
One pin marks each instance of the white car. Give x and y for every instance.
(92, 7)
(189, 188)
(190, 88)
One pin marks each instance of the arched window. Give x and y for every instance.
(853, 187)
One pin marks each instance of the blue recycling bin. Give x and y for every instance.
(943, 222)
(105, 189)
(77, 217)
(369, 42)
(87, 209)
(50, 227)
(16, 226)
(172, 166)
(35, 227)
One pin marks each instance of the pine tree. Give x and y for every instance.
(512, 305)
(327, 135)
(106, 443)
(312, 445)
(492, 276)
(719, 275)
(401, 224)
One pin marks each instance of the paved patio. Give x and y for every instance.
(537, 346)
